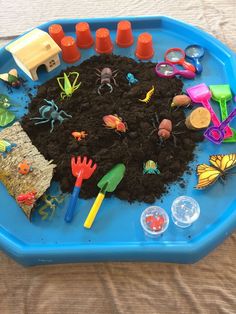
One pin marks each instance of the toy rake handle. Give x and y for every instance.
(214, 118)
(94, 210)
(71, 208)
(226, 121)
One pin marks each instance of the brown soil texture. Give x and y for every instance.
(105, 146)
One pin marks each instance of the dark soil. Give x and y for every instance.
(105, 146)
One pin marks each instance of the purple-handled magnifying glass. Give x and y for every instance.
(166, 69)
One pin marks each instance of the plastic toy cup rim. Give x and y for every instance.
(201, 49)
(180, 60)
(155, 233)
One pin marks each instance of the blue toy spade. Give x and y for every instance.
(81, 170)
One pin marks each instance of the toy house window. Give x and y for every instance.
(52, 63)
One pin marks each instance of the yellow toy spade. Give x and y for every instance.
(108, 183)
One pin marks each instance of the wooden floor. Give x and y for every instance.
(206, 287)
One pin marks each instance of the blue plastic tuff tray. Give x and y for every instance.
(117, 234)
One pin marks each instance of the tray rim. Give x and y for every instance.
(192, 251)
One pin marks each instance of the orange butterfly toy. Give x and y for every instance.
(209, 174)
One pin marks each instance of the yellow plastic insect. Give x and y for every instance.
(68, 89)
(220, 164)
(148, 95)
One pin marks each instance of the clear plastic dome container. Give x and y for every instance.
(154, 221)
(185, 211)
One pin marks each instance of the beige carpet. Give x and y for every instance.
(206, 287)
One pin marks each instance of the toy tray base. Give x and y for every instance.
(117, 233)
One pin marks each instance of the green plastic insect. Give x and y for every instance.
(150, 167)
(50, 204)
(67, 88)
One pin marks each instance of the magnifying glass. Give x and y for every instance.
(166, 69)
(177, 56)
(195, 53)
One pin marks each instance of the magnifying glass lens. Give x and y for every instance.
(165, 69)
(194, 52)
(174, 55)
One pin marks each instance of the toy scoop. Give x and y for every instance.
(81, 170)
(222, 94)
(108, 183)
(201, 94)
(216, 133)
(195, 53)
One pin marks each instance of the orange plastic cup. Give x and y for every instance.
(70, 52)
(83, 35)
(144, 49)
(124, 35)
(56, 32)
(103, 43)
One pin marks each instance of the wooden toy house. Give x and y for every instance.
(33, 50)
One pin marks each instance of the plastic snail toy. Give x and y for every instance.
(67, 88)
(115, 122)
(105, 77)
(150, 167)
(27, 198)
(11, 78)
(148, 95)
(50, 113)
(24, 167)
(6, 147)
(79, 135)
(131, 79)
(181, 101)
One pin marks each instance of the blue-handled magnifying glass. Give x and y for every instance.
(195, 53)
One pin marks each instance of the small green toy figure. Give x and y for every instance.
(11, 79)
(6, 147)
(68, 89)
(50, 204)
(150, 167)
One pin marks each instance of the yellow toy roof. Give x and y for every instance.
(33, 48)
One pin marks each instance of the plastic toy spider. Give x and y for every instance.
(50, 113)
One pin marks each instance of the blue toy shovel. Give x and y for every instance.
(81, 170)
